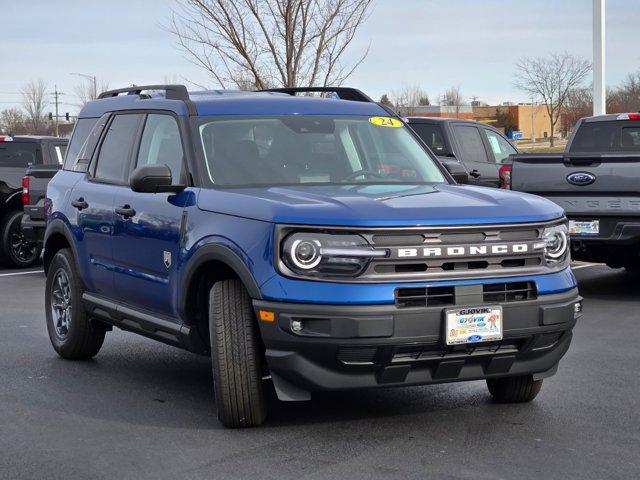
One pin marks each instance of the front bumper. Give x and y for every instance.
(347, 347)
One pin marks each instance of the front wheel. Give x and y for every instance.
(520, 389)
(236, 356)
(15, 248)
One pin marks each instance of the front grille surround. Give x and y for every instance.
(394, 268)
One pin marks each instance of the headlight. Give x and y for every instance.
(556, 242)
(324, 254)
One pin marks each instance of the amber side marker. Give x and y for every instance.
(267, 316)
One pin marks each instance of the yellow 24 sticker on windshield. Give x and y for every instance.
(386, 122)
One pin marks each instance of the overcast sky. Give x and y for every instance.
(473, 44)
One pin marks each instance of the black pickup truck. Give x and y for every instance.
(597, 182)
(16, 155)
(479, 150)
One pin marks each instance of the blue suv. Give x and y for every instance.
(310, 240)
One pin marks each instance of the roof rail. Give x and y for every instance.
(343, 93)
(172, 92)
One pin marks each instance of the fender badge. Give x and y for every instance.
(167, 259)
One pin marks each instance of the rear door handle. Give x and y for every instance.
(126, 211)
(474, 173)
(80, 204)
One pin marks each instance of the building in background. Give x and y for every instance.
(531, 120)
(449, 111)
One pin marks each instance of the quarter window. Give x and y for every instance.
(80, 133)
(115, 152)
(161, 145)
(500, 147)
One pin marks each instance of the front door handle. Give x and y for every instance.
(126, 211)
(474, 173)
(80, 204)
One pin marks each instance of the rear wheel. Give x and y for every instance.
(235, 355)
(520, 389)
(71, 332)
(16, 250)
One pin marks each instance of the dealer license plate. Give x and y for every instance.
(586, 227)
(473, 325)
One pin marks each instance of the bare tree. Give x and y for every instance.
(12, 120)
(626, 97)
(266, 43)
(578, 104)
(409, 97)
(453, 97)
(551, 78)
(34, 102)
(89, 88)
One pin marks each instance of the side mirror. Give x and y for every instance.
(153, 179)
(457, 171)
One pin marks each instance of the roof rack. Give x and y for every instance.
(172, 92)
(343, 93)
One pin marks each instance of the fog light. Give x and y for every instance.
(296, 326)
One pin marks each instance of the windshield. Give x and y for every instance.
(296, 149)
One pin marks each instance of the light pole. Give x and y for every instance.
(599, 89)
(94, 83)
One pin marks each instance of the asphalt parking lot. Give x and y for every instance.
(145, 410)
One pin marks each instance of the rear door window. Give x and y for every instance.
(432, 135)
(19, 155)
(471, 144)
(115, 152)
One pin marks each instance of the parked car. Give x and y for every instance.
(312, 241)
(479, 149)
(17, 153)
(596, 181)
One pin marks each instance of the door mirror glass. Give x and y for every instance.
(153, 179)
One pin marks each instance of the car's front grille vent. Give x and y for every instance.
(425, 297)
(509, 292)
(357, 355)
(442, 296)
(455, 252)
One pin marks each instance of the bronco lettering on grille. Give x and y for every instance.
(464, 250)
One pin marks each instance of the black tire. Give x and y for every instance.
(15, 250)
(235, 355)
(520, 389)
(72, 334)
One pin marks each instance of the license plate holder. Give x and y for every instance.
(465, 325)
(583, 228)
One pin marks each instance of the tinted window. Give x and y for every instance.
(432, 135)
(160, 144)
(631, 139)
(607, 136)
(57, 150)
(500, 146)
(115, 152)
(472, 148)
(310, 149)
(80, 134)
(18, 154)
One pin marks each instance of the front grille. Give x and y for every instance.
(456, 252)
(435, 296)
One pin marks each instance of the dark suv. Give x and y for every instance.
(483, 151)
(312, 241)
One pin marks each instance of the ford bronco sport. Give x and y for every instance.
(310, 240)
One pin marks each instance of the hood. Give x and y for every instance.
(380, 205)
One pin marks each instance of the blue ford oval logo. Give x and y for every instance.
(581, 178)
(474, 338)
